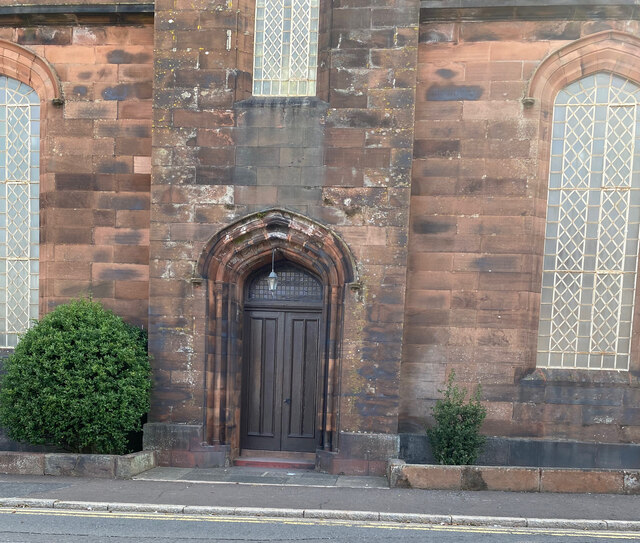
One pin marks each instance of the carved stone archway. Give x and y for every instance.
(225, 263)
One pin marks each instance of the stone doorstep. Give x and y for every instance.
(513, 479)
(107, 466)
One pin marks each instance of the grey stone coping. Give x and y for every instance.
(77, 465)
(510, 478)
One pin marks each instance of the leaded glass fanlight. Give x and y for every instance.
(593, 219)
(19, 208)
(294, 284)
(285, 52)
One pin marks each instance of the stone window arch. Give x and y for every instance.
(586, 96)
(29, 91)
(592, 227)
(24, 65)
(19, 208)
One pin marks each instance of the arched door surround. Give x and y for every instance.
(226, 263)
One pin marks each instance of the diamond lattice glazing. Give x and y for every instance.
(19, 208)
(285, 48)
(18, 217)
(17, 295)
(593, 220)
(293, 284)
(18, 122)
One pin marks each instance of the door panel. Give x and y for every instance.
(281, 380)
(263, 352)
(300, 381)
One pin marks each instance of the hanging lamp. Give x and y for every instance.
(272, 279)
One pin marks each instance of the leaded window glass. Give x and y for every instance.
(593, 219)
(285, 52)
(19, 208)
(294, 284)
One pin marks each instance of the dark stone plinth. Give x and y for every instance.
(182, 445)
(359, 454)
(415, 449)
(167, 436)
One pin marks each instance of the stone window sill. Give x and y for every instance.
(281, 101)
(576, 376)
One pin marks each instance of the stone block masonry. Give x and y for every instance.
(414, 183)
(341, 158)
(476, 232)
(95, 182)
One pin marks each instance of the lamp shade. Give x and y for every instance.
(272, 280)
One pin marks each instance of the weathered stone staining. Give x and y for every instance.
(413, 184)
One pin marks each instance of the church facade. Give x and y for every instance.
(435, 186)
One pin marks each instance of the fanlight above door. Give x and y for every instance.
(294, 285)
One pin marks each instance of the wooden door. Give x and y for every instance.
(281, 380)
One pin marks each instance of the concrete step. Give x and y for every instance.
(273, 462)
(295, 455)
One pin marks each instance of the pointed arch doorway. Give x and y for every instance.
(231, 262)
(282, 370)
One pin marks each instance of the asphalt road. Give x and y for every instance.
(40, 526)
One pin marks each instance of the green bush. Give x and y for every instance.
(78, 379)
(455, 438)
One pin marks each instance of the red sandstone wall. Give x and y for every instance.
(347, 167)
(478, 209)
(95, 163)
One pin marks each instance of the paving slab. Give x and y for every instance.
(165, 473)
(9, 490)
(364, 481)
(601, 510)
(263, 476)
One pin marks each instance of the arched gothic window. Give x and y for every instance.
(285, 51)
(593, 220)
(19, 208)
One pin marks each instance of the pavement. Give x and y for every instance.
(249, 491)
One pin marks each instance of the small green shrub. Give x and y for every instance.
(455, 438)
(78, 379)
